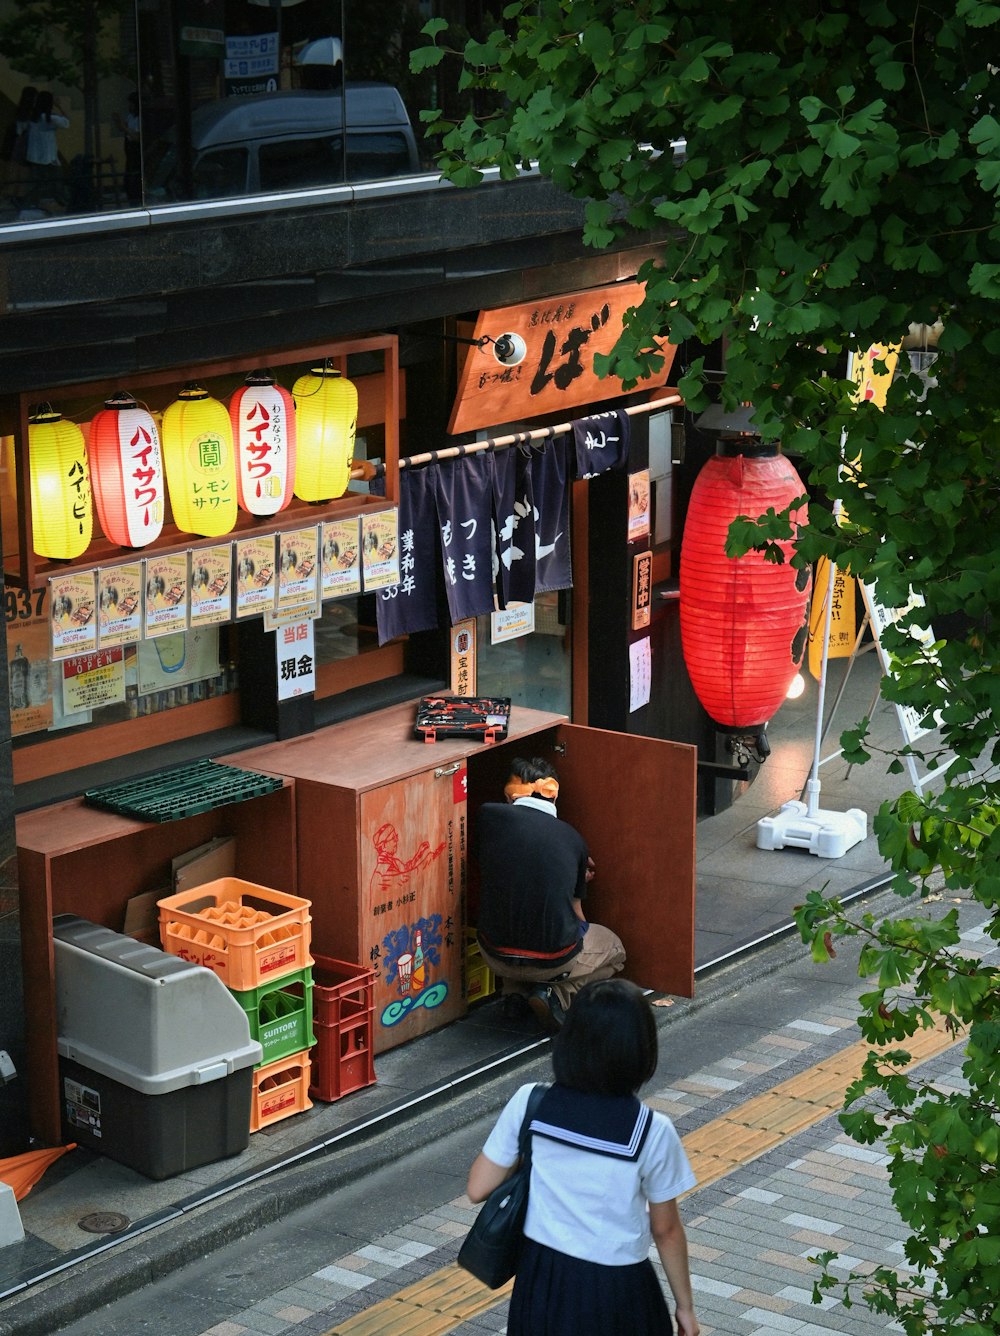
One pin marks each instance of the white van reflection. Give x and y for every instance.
(270, 142)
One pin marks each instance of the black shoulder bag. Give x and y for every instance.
(492, 1248)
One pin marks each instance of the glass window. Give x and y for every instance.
(299, 163)
(221, 172)
(533, 670)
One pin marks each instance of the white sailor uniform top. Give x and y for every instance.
(596, 1160)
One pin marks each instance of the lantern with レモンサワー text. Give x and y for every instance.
(326, 411)
(62, 518)
(264, 431)
(743, 619)
(200, 463)
(126, 469)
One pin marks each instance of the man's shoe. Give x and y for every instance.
(547, 1010)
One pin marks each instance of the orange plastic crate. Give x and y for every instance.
(343, 1056)
(247, 934)
(280, 1089)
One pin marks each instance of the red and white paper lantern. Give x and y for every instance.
(126, 471)
(263, 418)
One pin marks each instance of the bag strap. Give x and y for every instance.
(524, 1136)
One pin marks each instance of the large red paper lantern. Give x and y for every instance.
(743, 619)
(126, 472)
(263, 418)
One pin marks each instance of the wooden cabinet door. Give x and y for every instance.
(634, 801)
(412, 858)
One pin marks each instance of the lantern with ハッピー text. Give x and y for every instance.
(126, 470)
(62, 519)
(264, 431)
(326, 411)
(200, 463)
(743, 619)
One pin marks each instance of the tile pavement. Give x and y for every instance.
(751, 1233)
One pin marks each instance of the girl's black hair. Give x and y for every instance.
(607, 1045)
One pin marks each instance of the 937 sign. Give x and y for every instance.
(22, 605)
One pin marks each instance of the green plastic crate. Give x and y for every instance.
(280, 1014)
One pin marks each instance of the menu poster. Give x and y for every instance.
(638, 505)
(211, 591)
(255, 582)
(92, 680)
(72, 604)
(166, 587)
(380, 549)
(298, 571)
(119, 604)
(341, 558)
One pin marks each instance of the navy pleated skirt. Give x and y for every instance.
(558, 1295)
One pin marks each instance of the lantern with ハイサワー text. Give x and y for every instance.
(264, 431)
(126, 469)
(743, 619)
(61, 510)
(326, 412)
(200, 463)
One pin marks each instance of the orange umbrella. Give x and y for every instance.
(22, 1172)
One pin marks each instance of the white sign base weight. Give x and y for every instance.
(800, 825)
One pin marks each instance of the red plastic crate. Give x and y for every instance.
(343, 1057)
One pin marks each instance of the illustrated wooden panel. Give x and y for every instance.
(412, 858)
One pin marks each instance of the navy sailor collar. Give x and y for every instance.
(611, 1125)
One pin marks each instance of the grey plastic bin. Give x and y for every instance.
(155, 1056)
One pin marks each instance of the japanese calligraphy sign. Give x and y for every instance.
(255, 580)
(165, 606)
(464, 491)
(463, 658)
(561, 334)
(642, 589)
(411, 605)
(601, 442)
(296, 651)
(211, 585)
(298, 571)
(119, 604)
(380, 549)
(341, 558)
(72, 611)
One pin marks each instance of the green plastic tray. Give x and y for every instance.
(186, 791)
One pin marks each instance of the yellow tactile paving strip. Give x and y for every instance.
(442, 1301)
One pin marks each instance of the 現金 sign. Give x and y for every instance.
(561, 336)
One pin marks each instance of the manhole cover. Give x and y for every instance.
(104, 1222)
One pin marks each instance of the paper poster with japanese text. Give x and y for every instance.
(511, 622)
(256, 585)
(211, 591)
(93, 680)
(28, 646)
(73, 613)
(380, 549)
(298, 572)
(295, 646)
(638, 505)
(640, 662)
(165, 606)
(341, 558)
(119, 604)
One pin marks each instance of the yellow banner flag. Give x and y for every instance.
(843, 627)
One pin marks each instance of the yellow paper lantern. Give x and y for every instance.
(61, 511)
(326, 415)
(200, 463)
